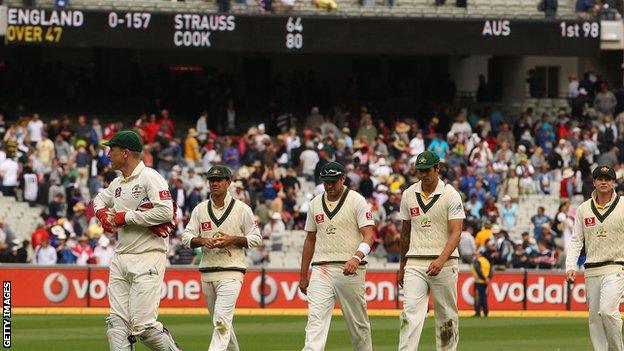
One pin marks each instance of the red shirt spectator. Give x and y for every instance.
(38, 235)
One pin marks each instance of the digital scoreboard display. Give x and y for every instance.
(313, 34)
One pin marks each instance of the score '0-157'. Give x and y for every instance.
(576, 30)
(131, 20)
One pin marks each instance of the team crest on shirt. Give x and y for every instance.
(590, 221)
(319, 218)
(206, 226)
(118, 192)
(330, 230)
(425, 222)
(137, 191)
(414, 211)
(601, 232)
(369, 216)
(164, 195)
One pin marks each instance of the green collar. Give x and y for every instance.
(213, 217)
(331, 214)
(602, 217)
(428, 206)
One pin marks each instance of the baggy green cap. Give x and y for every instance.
(426, 160)
(126, 139)
(216, 172)
(332, 171)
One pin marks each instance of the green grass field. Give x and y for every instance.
(87, 332)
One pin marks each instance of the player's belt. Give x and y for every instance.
(321, 263)
(222, 269)
(602, 264)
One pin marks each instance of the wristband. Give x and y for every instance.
(357, 258)
(364, 248)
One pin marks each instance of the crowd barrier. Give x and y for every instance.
(63, 286)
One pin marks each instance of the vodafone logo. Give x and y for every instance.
(590, 221)
(319, 218)
(270, 292)
(414, 211)
(51, 292)
(206, 226)
(56, 288)
(538, 292)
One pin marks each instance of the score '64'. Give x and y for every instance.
(294, 33)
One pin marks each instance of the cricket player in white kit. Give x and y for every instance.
(599, 226)
(137, 205)
(223, 227)
(432, 214)
(340, 234)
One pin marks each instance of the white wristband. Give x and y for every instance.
(364, 248)
(357, 258)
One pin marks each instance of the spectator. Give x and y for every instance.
(83, 251)
(44, 253)
(538, 220)
(328, 5)
(573, 86)
(566, 189)
(275, 230)
(64, 252)
(9, 171)
(192, 156)
(103, 252)
(545, 258)
(519, 258)
(35, 129)
(486, 233)
(367, 132)
(309, 159)
(202, 127)
(605, 101)
(509, 214)
(467, 246)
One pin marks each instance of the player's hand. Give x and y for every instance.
(350, 268)
(401, 277)
(571, 276)
(104, 215)
(165, 229)
(435, 267)
(208, 242)
(303, 283)
(222, 240)
(120, 219)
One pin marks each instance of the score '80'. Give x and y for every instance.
(294, 37)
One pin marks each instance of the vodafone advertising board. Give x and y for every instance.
(86, 287)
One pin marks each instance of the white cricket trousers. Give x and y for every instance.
(326, 284)
(134, 289)
(605, 322)
(416, 287)
(221, 299)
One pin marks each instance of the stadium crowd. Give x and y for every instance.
(492, 159)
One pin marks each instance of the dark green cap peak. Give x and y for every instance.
(216, 172)
(426, 160)
(332, 171)
(126, 139)
(604, 171)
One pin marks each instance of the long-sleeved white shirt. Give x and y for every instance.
(45, 255)
(126, 194)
